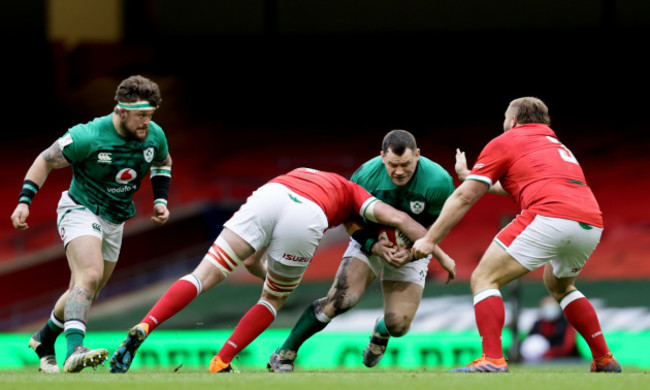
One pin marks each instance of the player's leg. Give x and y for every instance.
(350, 283)
(582, 316)
(222, 257)
(522, 246)
(225, 254)
(86, 263)
(42, 342)
(79, 229)
(277, 289)
(401, 301)
(256, 264)
(559, 280)
(246, 232)
(109, 267)
(294, 239)
(75, 222)
(402, 289)
(295, 227)
(496, 269)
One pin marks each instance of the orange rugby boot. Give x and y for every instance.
(484, 364)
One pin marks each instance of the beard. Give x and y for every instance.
(138, 134)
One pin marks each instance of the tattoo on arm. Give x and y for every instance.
(167, 162)
(53, 156)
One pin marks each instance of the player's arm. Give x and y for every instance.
(161, 176)
(385, 214)
(462, 171)
(446, 262)
(50, 158)
(366, 234)
(455, 208)
(367, 237)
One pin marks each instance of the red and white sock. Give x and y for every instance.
(179, 295)
(582, 316)
(252, 324)
(490, 318)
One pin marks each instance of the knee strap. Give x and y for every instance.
(280, 288)
(222, 256)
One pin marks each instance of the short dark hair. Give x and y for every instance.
(530, 110)
(398, 141)
(137, 88)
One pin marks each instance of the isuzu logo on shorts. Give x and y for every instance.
(126, 175)
(299, 259)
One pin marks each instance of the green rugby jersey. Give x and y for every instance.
(106, 168)
(422, 197)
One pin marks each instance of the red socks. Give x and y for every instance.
(252, 324)
(490, 318)
(582, 316)
(179, 295)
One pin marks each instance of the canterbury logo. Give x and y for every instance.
(104, 158)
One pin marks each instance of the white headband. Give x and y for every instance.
(136, 106)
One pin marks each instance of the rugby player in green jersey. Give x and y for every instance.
(408, 182)
(109, 157)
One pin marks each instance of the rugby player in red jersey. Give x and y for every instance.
(559, 226)
(286, 219)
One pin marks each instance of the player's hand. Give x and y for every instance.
(448, 264)
(160, 214)
(422, 248)
(401, 257)
(19, 216)
(461, 165)
(383, 248)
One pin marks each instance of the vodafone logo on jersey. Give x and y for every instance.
(126, 175)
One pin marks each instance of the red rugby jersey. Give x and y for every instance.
(338, 197)
(540, 174)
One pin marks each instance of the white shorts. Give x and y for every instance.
(413, 272)
(290, 225)
(534, 240)
(75, 220)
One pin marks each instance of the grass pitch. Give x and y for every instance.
(519, 377)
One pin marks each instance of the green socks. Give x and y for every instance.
(381, 328)
(73, 337)
(312, 321)
(49, 333)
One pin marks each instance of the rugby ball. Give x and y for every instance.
(395, 236)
